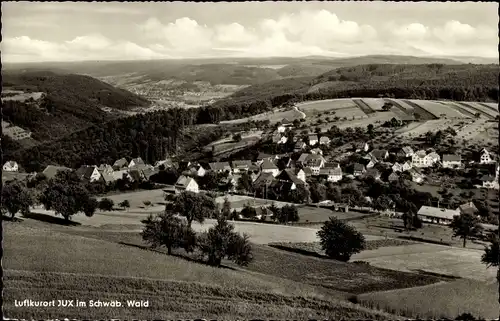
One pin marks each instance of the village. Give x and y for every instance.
(294, 177)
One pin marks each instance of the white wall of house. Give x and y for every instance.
(301, 175)
(95, 175)
(452, 164)
(274, 171)
(8, 168)
(192, 186)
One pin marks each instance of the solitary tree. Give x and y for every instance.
(169, 231)
(106, 204)
(491, 256)
(222, 242)
(287, 213)
(194, 206)
(124, 204)
(89, 206)
(226, 209)
(16, 198)
(465, 226)
(340, 240)
(237, 137)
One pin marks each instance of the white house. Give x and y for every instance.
(359, 169)
(324, 140)
(416, 176)
(187, 184)
(198, 170)
(379, 154)
(436, 215)
(313, 140)
(301, 175)
(371, 164)
(406, 166)
(315, 162)
(452, 161)
(486, 157)
(433, 158)
(421, 159)
(268, 167)
(283, 140)
(241, 166)
(220, 167)
(281, 129)
(490, 182)
(11, 166)
(332, 174)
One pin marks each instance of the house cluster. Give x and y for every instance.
(312, 140)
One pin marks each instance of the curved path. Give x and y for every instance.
(300, 111)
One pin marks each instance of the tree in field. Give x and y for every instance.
(491, 253)
(89, 206)
(147, 203)
(16, 198)
(248, 211)
(340, 240)
(226, 209)
(169, 231)
(124, 204)
(194, 206)
(465, 226)
(287, 213)
(387, 106)
(66, 195)
(220, 241)
(106, 204)
(237, 137)
(369, 130)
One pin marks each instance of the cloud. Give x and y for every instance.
(306, 32)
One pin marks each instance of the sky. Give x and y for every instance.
(75, 31)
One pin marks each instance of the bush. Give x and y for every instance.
(339, 240)
(124, 204)
(106, 204)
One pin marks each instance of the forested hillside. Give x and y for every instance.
(433, 81)
(68, 103)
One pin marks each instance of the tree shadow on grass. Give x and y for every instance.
(51, 219)
(177, 255)
(11, 219)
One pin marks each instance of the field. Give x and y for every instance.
(20, 96)
(311, 214)
(438, 109)
(273, 117)
(172, 285)
(440, 300)
(7, 176)
(331, 108)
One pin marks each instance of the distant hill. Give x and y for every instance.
(68, 102)
(480, 82)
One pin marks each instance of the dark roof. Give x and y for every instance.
(85, 171)
(312, 137)
(307, 171)
(359, 167)
(330, 171)
(487, 178)
(107, 177)
(379, 153)
(468, 208)
(264, 179)
(267, 164)
(289, 176)
(138, 161)
(136, 175)
(393, 177)
(120, 163)
(372, 172)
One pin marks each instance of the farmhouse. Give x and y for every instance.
(324, 140)
(313, 140)
(452, 161)
(315, 162)
(121, 174)
(263, 181)
(416, 176)
(486, 157)
(421, 159)
(197, 170)
(220, 167)
(361, 147)
(11, 166)
(397, 167)
(359, 169)
(373, 172)
(332, 174)
(406, 151)
(262, 156)
(136, 162)
(107, 177)
(105, 168)
(379, 154)
(406, 166)
(167, 163)
(120, 164)
(301, 174)
(433, 158)
(490, 182)
(136, 175)
(289, 176)
(436, 215)
(269, 167)
(241, 165)
(468, 208)
(281, 129)
(186, 184)
(51, 171)
(393, 177)
(88, 173)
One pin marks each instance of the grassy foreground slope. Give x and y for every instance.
(43, 264)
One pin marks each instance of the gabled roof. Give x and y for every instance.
(107, 177)
(219, 166)
(360, 145)
(137, 161)
(10, 163)
(289, 176)
(307, 171)
(378, 153)
(241, 164)
(372, 172)
(468, 208)
(487, 178)
(105, 167)
(51, 171)
(408, 150)
(303, 157)
(359, 167)
(420, 153)
(324, 139)
(120, 163)
(332, 165)
(267, 164)
(85, 171)
(437, 212)
(451, 158)
(264, 179)
(119, 174)
(183, 182)
(434, 155)
(393, 177)
(136, 174)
